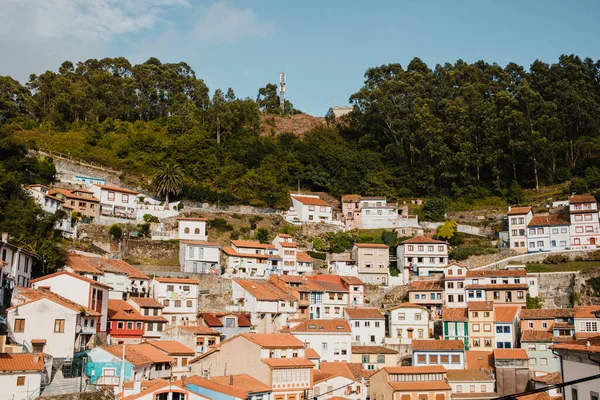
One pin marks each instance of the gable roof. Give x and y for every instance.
(146, 302)
(468, 375)
(71, 275)
(426, 285)
(72, 194)
(303, 257)
(311, 201)
(476, 359)
(242, 382)
(491, 273)
(151, 352)
(187, 281)
(585, 311)
(131, 355)
(546, 313)
(548, 220)
(518, 210)
(372, 350)
(172, 347)
(273, 340)
(120, 310)
(510, 354)
(455, 314)
(80, 264)
(590, 345)
(213, 319)
(37, 294)
(372, 245)
(16, 362)
(578, 199)
(536, 335)
(364, 313)
(481, 305)
(128, 269)
(437, 345)
(264, 291)
(115, 189)
(422, 240)
(200, 243)
(505, 313)
(322, 326)
(311, 353)
(354, 371)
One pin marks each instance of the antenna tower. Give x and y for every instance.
(282, 91)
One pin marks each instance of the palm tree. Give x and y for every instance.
(168, 180)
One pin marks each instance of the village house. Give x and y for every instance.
(367, 325)
(518, 219)
(548, 233)
(229, 387)
(374, 357)
(81, 201)
(502, 287)
(471, 384)
(579, 359)
(192, 228)
(454, 281)
(115, 201)
(408, 321)
(557, 321)
(15, 268)
(429, 294)
(455, 322)
(448, 353)
(268, 305)
(151, 312)
(311, 209)
(287, 250)
(228, 324)
(342, 264)
(358, 389)
(547, 380)
(251, 259)
(506, 327)
(372, 213)
(586, 322)
(52, 204)
(46, 322)
(481, 322)
(354, 286)
(336, 386)
(79, 289)
(125, 323)
(584, 229)
(147, 362)
(335, 296)
(199, 338)
(410, 383)
(332, 338)
(277, 360)
(373, 261)
(298, 287)
(21, 374)
(164, 390)
(538, 345)
(200, 257)
(179, 297)
(512, 372)
(423, 256)
(180, 354)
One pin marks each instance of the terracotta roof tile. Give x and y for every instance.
(199, 330)
(116, 189)
(548, 220)
(373, 350)
(187, 281)
(546, 313)
(146, 302)
(251, 244)
(506, 313)
(157, 385)
(293, 362)
(232, 253)
(351, 280)
(349, 370)
(311, 201)
(579, 199)
(455, 314)
(468, 375)
(426, 285)
(284, 236)
(120, 310)
(518, 210)
(152, 353)
(327, 286)
(423, 240)
(311, 353)
(286, 244)
(586, 311)
(274, 340)
(372, 245)
(491, 273)
(243, 382)
(131, 355)
(437, 345)
(37, 294)
(128, 269)
(430, 369)
(350, 198)
(535, 396)
(172, 347)
(71, 194)
(511, 354)
(303, 257)
(476, 359)
(553, 378)
(217, 387)
(13, 362)
(38, 341)
(264, 291)
(69, 274)
(580, 345)
(322, 326)
(211, 319)
(536, 335)
(81, 264)
(364, 313)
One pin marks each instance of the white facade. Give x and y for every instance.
(340, 386)
(287, 250)
(311, 209)
(585, 230)
(20, 385)
(115, 201)
(518, 219)
(200, 257)
(331, 346)
(366, 330)
(468, 386)
(505, 335)
(19, 263)
(51, 205)
(192, 229)
(407, 322)
(454, 283)
(251, 259)
(423, 255)
(179, 298)
(119, 283)
(547, 233)
(576, 366)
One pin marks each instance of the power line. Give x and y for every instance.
(549, 387)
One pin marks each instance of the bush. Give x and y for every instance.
(535, 302)
(245, 229)
(255, 219)
(320, 244)
(394, 271)
(220, 224)
(234, 235)
(556, 259)
(150, 218)
(262, 235)
(115, 231)
(463, 252)
(253, 226)
(389, 238)
(317, 255)
(434, 209)
(236, 216)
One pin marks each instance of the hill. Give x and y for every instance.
(298, 124)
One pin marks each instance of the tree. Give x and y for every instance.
(447, 231)
(269, 102)
(434, 209)
(262, 235)
(168, 180)
(115, 231)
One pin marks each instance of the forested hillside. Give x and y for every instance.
(459, 129)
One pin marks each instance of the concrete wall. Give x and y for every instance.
(469, 229)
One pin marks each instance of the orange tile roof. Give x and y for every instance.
(536, 396)
(372, 245)
(293, 362)
(322, 326)
(326, 286)
(217, 387)
(232, 253)
(455, 314)
(303, 257)
(491, 273)
(364, 313)
(506, 313)
(16, 362)
(426, 285)
(511, 354)
(548, 220)
(468, 375)
(373, 350)
(38, 341)
(311, 353)
(476, 359)
(536, 335)
(437, 345)
(481, 305)
(199, 330)
(70, 194)
(115, 189)
(349, 198)
(151, 352)
(423, 240)
(72, 275)
(518, 210)
(499, 286)
(131, 355)
(284, 236)
(37, 294)
(146, 302)
(553, 378)
(580, 345)
(408, 305)
(155, 387)
(354, 371)
(413, 386)
(200, 243)
(128, 269)
(286, 244)
(311, 201)
(251, 244)
(145, 383)
(546, 313)
(585, 311)
(430, 369)
(264, 291)
(274, 340)
(120, 310)
(172, 347)
(81, 264)
(187, 281)
(191, 219)
(243, 382)
(578, 199)
(351, 280)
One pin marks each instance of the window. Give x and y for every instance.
(411, 248)
(544, 325)
(475, 314)
(421, 359)
(365, 358)
(506, 329)
(166, 303)
(543, 361)
(19, 325)
(120, 325)
(420, 333)
(188, 303)
(588, 217)
(357, 324)
(20, 381)
(420, 248)
(472, 388)
(367, 324)
(475, 327)
(401, 316)
(380, 359)
(433, 359)
(488, 342)
(111, 196)
(530, 324)
(487, 327)
(170, 288)
(476, 342)
(184, 362)
(498, 329)
(458, 388)
(521, 220)
(486, 314)
(456, 357)
(441, 248)
(574, 394)
(593, 395)
(520, 295)
(138, 325)
(376, 324)
(532, 231)
(177, 303)
(444, 359)
(579, 229)
(543, 347)
(59, 326)
(417, 316)
(429, 248)
(125, 198)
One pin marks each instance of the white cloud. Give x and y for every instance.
(223, 23)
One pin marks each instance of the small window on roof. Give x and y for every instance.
(312, 327)
(339, 327)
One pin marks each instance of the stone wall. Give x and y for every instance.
(556, 287)
(537, 258)
(152, 249)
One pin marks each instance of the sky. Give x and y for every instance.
(323, 46)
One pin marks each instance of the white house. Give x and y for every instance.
(180, 353)
(200, 257)
(407, 321)
(116, 201)
(332, 338)
(423, 255)
(586, 323)
(518, 219)
(17, 268)
(578, 360)
(51, 204)
(190, 228)
(311, 209)
(45, 321)
(288, 251)
(448, 353)
(342, 264)
(179, 297)
(367, 325)
(372, 213)
(585, 230)
(506, 327)
(151, 311)
(21, 375)
(454, 282)
(269, 306)
(338, 386)
(471, 383)
(251, 259)
(304, 263)
(79, 289)
(548, 233)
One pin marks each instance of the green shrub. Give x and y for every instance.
(556, 259)
(463, 252)
(220, 224)
(253, 226)
(150, 218)
(389, 238)
(115, 231)
(262, 235)
(434, 209)
(256, 218)
(317, 255)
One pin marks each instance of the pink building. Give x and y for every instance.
(584, 229)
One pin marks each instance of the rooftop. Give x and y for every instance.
(120, 310)
(553, 378)
(373, 350)
(293, 362)
(322, 326)
(585, 311)
(146, 302)
(468, 375)
(264, 291)
(171, 347)
(310, 201)
(372, 245)
(426, 285)
(423, 240)
(251, 244)
(274, 340)
(16, 362)
(476, 359)
(364, 313)
(546, 313)
(437, 345)
(510, 354)
(455, 314)
(589, 345)
(548, 220)
(37, 294)
(70, 275)
(506, 313)
(481, 306)
(115, 189)
(496, 273)
(243, 382)
(578, 199)
(518, 210)
(536, 335)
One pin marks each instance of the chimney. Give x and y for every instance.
(36, 358)
(230, 380)
(4, 237)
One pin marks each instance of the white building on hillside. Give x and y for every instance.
(116, 201)
(585, 230)
(423, 255)
(367, 324)
(311, 209)
(192, 228)
(548, 233)
(52, 204)
(332, 338)
(16, 266)
(406, 322)
(179, 297)
(251, 259)
(21, 374)
(518, 219)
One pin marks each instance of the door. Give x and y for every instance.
(410, 333)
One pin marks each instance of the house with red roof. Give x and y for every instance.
(470, 384)
(512, 371)
(151, 312)
(367, 324)
(429, 294)
(115, 201)
(250, 259)
(331, 338)
(180, 353)
(518, 219)
(579, 359)
(506, 327)
(179, 297)
(584, 229)
(200, 338)
(337, 381)
(423, 256)
(408, 321)
(455, 322)
(374, 212)
(548, 233)
(125, 323)
(21, 374)
(82, 201)
(504, 287)
(310, 209)
(586, 323)
(43, 195)
(448, 353)
(228, 324)
(294, 261)
(410, 383)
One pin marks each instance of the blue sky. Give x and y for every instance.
(324, 47)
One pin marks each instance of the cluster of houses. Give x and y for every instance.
(574, 226)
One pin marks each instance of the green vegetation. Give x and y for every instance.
(434, 209)
(115, 231)
(262, 235)
(168, 180)
(220, 225)
(317, 255)
(564, 266)
(535, 302)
